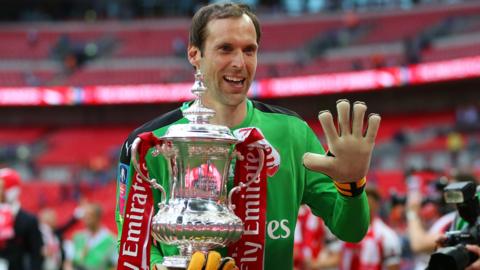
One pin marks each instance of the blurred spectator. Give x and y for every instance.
(94, 247)
(32, 37)
(315, 245)
(309, 237)
(61, 47)
(179, 47)
(53, 237)
(412, 51)
(423, 238)
(357, 64)
(52, 249)
(31, 79)
(99, 171)
(381, 247)
(467, 118)
(455, 144)
(351, 20)
(22, 249)
(272, 71)
(378, 61)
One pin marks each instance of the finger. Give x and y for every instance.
(326, 120)
(343, 110)
(373, 125)
(318, 163)
(441, 240)
(159, 267)
(213, 260)
(474, 266)
(228, 263)
(197, 261)
(473, 248)
(359, 109)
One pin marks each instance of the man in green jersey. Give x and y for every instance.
(224, 40)
(93, 247)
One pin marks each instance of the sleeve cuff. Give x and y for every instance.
(351, 189)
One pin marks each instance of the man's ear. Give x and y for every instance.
(194, 55)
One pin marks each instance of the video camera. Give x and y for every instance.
(454, 254)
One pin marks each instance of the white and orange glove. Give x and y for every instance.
(350, 148)
(213, 261)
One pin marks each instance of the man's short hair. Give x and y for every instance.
(198, 28)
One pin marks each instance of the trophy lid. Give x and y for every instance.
(199, 128)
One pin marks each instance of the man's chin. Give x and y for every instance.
(235, 99)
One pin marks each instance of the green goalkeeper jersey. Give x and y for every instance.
(291, 186)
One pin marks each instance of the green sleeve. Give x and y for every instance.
(347, 218)
(155, 256)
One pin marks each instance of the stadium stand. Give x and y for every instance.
(73, 54)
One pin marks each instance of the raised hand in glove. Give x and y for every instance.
(213, 261)
(350, 147)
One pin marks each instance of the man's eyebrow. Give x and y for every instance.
(252, 46)
(222, 44)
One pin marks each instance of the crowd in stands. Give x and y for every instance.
(129, 9)
(152, 51)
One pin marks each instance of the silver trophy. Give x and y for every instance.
(198, 215)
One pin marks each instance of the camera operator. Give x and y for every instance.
(460, 244)
(423, 238)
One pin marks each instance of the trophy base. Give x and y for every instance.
(176, 262)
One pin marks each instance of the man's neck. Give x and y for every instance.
(15, 206)
(94, 229)
(229, 116)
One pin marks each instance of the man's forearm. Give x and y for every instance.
(420, 240)
(351, 218)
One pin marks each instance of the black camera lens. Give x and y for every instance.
(451, 258)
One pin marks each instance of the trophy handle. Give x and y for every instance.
(261, 158)
(136, 166)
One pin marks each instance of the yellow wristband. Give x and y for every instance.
(351, 189)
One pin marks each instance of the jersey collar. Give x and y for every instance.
(245, 123)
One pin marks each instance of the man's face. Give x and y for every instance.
(91, 218)
(228, 61)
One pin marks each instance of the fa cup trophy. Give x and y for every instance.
(198, 214)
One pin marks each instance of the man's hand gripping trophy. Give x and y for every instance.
(212, 261)
(350, 148)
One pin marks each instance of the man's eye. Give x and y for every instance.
(250, 52)
(226, 48)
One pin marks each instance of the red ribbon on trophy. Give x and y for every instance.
(250, 202)
(134, 249)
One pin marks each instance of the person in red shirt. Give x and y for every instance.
(381, 247)
(23, 249)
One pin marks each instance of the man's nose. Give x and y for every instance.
(238, 60)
